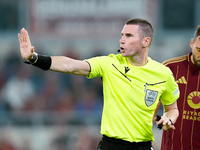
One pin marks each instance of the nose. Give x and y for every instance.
(122, 41)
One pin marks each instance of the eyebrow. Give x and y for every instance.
(125, 33)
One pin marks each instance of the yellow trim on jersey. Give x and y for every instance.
(175, 59)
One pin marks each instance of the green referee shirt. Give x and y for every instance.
(131, 94)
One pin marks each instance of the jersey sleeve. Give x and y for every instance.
(97, 66)
(171, 92)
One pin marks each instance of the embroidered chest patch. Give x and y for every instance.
(150, 97)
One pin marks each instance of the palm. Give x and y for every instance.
(25, 49)
(25, 45)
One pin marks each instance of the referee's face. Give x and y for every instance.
(195, 45)
(130, 42)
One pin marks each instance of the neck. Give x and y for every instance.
(139, 59)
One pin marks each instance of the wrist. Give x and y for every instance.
(40, 61)
(34, 58)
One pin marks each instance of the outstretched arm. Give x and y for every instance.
(69, 65)
(58, 63)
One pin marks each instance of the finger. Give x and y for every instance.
(32, 49)
(170, 127)
(23, 35)
(165, 120)
(154, 119)
(173, 127)
(169, 123)
(161, 121)
(19, 37)
(27, 38)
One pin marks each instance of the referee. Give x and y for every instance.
(133, 84)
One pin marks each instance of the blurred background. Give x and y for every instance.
(54, 111)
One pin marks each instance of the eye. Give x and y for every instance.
(129, 35)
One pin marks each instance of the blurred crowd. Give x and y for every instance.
(30, 96)
(27, 88)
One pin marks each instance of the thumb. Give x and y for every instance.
(32, 49)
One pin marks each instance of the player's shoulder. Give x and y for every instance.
(160, 67)
(117, 57)
(156, 63)
(175, 60)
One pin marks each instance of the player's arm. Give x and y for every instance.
(54, 63)
(156, 111)
(171, 113)
(69, 65)
(157, 108)
(169, 117)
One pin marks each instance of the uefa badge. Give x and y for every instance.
(150, 97)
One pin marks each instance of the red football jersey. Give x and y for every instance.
(186, 136)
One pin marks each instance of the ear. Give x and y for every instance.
(146, 41)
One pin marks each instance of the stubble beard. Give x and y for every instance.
(196, 62)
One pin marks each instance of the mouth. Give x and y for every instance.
(121, 49)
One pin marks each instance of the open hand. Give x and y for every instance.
(26, 48)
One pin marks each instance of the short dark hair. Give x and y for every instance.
(197, 32)
(145, 27)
